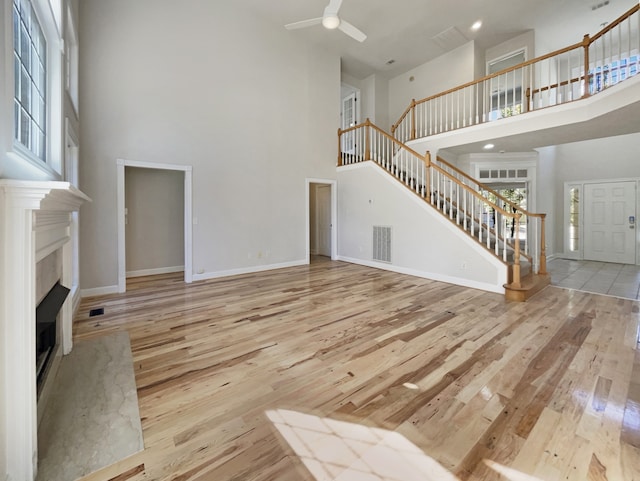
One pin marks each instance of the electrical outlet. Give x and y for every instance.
(200, 271)
(259, 254)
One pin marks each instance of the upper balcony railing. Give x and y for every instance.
(572, 73)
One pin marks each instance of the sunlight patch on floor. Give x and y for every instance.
(341, 451)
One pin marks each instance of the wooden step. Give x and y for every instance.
(529, 285)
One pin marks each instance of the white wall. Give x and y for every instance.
(155, 219)
(547, 195)
(250, 107)
(447, 71)
(554, 34)
(424, 243)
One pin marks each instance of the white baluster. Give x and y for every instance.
(457, 187)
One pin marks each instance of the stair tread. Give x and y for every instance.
(529, 285)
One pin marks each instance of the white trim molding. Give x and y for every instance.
(154, 272)
(248, 270)
(188, 216)
(98, 291)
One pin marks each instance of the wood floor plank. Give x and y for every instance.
(457, 376)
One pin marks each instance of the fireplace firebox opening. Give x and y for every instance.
(47, 328)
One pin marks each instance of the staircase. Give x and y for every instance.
(513, 235)
(463, 201)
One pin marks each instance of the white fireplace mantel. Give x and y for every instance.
(24, 206)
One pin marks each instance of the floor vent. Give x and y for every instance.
(381, 243)
(99, 311)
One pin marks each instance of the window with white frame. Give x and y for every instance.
(36, 58)
(30, 80)
(71, 58)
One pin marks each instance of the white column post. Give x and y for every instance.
(19, 342)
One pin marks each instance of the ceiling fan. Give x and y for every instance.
(330, 21)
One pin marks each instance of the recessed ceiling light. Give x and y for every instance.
(477, 25)
(489, 147)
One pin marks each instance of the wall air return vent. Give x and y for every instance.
(381, 243)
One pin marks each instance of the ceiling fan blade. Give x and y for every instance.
(304, 23)
(333, 7)
(352, 31)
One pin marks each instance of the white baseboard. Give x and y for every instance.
(499, 289)
(247, 270)
(156, 271)
(99, 291)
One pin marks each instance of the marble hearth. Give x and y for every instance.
(35, 220)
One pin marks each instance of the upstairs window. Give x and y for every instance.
(30, 77)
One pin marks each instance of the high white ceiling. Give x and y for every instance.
(403, 30)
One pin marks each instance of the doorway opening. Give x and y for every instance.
(122, 216)
(321, 218)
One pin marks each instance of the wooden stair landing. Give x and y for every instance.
(529, 285)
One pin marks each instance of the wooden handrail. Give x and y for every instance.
(616, 22)
(368, 124)
(487, 77)
(556, 85)
(585, 43)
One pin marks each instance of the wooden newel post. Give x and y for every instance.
(427, 180)
(367, 139)
(543, 248)
(339, 148)
(413, 119)
(586, 41)
(516, 255)
(528, 106)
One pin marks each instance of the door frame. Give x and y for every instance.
(120, 210)
(334, 215)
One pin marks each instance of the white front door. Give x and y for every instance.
(323, 218)
(609, 222)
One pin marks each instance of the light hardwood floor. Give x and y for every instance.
(340, 372)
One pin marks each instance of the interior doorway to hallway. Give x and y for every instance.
(121, 216)
(321, 214)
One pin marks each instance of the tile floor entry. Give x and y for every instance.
(619, 280)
